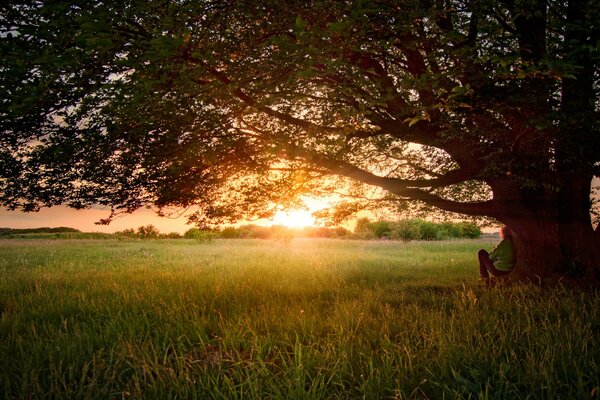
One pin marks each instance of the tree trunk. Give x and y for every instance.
(545, 255)
(537, 247)
(552, 234)
(580, 246)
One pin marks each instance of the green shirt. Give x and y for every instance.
(503, 256)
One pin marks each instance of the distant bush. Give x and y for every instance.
(126, 233)
(200, 235)
(170, 235)
(325, 232)
(340, 232)
(229, 233)
(281, 232)
(255, 232)
(406, 230)
(469, 230)
(414, 229)
(148, 232)
(363, 229)
(429, 230)
(381, 229)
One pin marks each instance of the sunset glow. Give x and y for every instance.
(294, 218)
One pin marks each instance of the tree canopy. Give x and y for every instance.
(484, 108)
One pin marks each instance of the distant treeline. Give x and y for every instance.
(61, 229)
(414, 229)
(241, 232)
(407, 229)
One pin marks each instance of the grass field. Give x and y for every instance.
(306, 319)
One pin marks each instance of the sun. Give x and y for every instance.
(294, 218)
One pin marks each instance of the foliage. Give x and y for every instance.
(362, 228)
(414, 229)
(57, 235)
(235, 109)
(127, 233)
(282, 232)
(406, 230)
(321, 320)
(142, 232)
(16, 231)
(467, 230)
(409, 229)
(170, 235)
(199, 235)
(229, 233)
(148, 232)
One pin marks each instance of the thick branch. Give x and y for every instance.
(410, 189)
(421, 133)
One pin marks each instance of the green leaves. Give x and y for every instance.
(421, 117)
(171, 102)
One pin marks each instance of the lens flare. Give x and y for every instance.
(294, 218)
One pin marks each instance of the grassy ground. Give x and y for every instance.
(298, 320)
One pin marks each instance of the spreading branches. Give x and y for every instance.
(169, 103)
(408, 189)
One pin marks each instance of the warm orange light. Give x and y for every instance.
(294, 218)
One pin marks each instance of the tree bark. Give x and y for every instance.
(580, 246)
(532, 219)
(553, 235)
(537, 251)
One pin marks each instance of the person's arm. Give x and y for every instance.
(495, 253)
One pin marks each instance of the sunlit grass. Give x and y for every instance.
(275, 319)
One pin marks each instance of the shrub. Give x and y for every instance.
(414, 229)
(449, 230)
(127, 233)
(429, 230)
(363, 225)
(339, 232)
(469, 230)
(148, 232)
(191, 233)
(200, 235)
(406, 230)
(205, 236)
(254, 232)
(229, 233)
(380, 229)
(170, 235)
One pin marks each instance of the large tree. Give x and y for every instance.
(483, 108)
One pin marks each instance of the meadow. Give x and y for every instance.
(299, 319)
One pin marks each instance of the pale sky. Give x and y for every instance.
(84, 220)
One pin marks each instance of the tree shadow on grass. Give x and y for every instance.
(426, 296)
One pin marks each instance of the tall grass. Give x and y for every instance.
(306, 319)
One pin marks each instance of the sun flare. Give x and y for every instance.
(294, 218)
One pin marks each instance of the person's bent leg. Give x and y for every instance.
(484, 263)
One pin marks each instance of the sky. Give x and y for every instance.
(84, 220)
